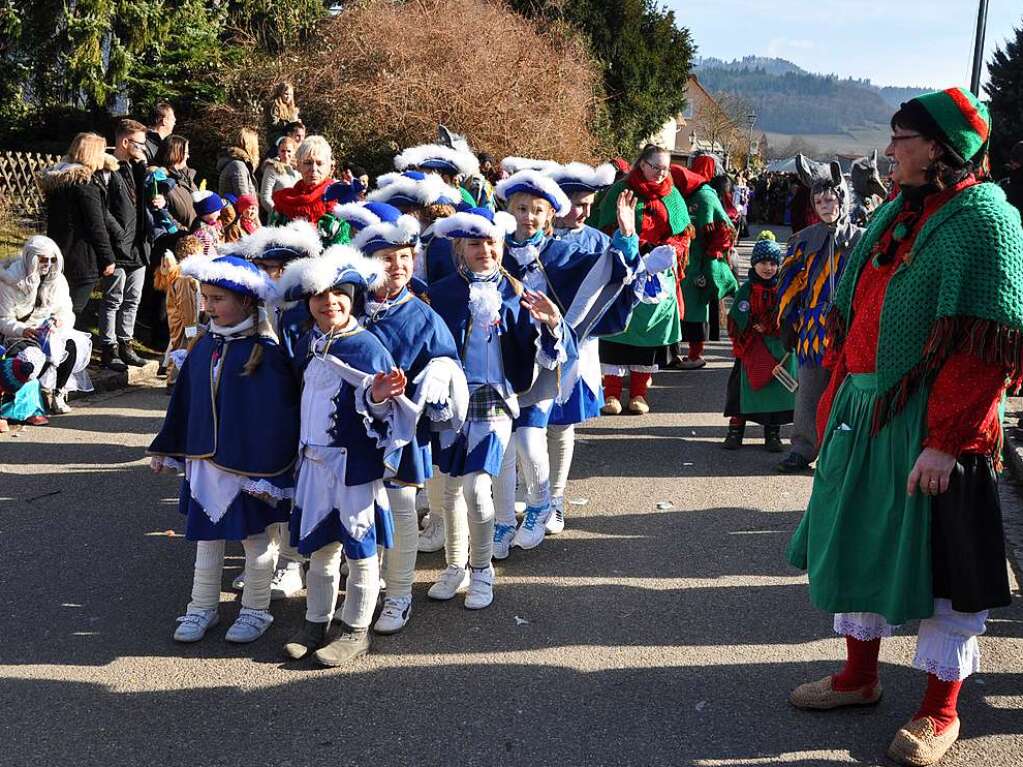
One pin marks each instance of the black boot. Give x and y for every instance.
(110, 359)
(348, 645)
(733, 440)
(128, 354)
(794, 463)
(311, 638)
(772, 439)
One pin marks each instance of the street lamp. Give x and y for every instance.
(978, 48)
(752, 117)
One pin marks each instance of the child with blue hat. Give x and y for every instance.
(238, 468)
(754, 391)
(353, 427)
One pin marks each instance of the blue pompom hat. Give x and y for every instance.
(344, 192)
(476, 224)
(536, 184)
(231, 273)
(339, 266)
(766, 250)
(206, 202)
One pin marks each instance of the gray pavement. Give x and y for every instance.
(641, 636)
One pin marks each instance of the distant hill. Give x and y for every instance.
(789, 100)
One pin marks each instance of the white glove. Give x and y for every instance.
(434, 385)
(659, 259)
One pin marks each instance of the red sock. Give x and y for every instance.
(860, 665)
(939, 703)
(638, 384)
(695, 350)
(736, 421)
(613, 386)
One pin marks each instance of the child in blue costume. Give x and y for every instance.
(272, 249)
(238, 467)
(423, 347)
(503, 334)
(354, 423)
(585, 286)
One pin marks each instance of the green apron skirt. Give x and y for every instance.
(865, 543)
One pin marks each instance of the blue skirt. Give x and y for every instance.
(330, 530)
(458, 460)
(245, 516)
(534, 416)
(581, 406)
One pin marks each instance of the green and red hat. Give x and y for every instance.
(955, 117)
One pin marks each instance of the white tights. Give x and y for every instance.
(560, 448)
(280, 534)
(323, 582)
(400, 561)
(209, 572)
(478, 517)
(529, 446)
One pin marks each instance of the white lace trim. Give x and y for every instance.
(945, 673)
(865, 627)
(543, 359)
(263, 487)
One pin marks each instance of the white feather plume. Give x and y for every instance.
(425, 191)
(209, 269)
(415, 156)
(485, 303)
(601, 176)
(512, 165)
(315, 275)
(404, 231)
(388, 178)
(538, 181)
(300, 235)
(477, 225)
(356, 213)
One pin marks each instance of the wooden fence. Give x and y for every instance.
(18, 185)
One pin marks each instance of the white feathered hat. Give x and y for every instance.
(580, 177)
(440, 158)
(339, 265)
(537, 184)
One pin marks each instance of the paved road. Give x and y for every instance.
(641, 636)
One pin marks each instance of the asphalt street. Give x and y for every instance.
(663, 627)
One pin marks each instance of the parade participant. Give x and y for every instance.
(352, 432)
(232, 425)
(449, 163)
(305, 199)
(35, 304)
(809, 276)
(754, 393)
(503, 333)
(183, 303)
(423, 348)
(654, 327)
(708, 276)
(903, 521)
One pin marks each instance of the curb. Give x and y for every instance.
(104, 380)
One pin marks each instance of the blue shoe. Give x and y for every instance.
(503, 535)
(250, 626)
(193, 625)
(533, 527)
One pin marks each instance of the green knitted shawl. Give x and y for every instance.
(606, 214)
(960, 289)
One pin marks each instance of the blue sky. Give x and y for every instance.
(905, 42)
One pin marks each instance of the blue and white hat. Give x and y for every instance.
(359, 215)
(339, 265)
(415, 190)
(297, 239)
(537, 184)
(231, 273)
(393, 229)
(440, 158)
(476, 224)
(580, 177)
(206, 202)
(344, 192)
(512, 165)
(766, 250)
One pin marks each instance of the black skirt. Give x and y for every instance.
(734, 410)
(967, 540)
(694, 332)
(641, 356)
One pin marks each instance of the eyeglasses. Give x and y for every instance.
(656, 168)
(139, 144)
(906, 136)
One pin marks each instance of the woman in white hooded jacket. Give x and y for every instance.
(35, 304)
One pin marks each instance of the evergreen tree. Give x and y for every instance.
(1005, 91)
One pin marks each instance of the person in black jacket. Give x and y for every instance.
(161, 126)
(76, 194)
(131, 227)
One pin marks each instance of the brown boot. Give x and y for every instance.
(350, 644)
(918, 745)
(312, 637)
(821, 695)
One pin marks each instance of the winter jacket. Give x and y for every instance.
(76, 218)
(129, 221)
(275, 175)
(235, 169)
(27, 300)
(179, 199)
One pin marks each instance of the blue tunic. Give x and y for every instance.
(245, 425)
(440, 259)
(414, 334)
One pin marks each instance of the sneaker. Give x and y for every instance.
(58, 404)
(394, 616)
(239, 581)
(453, 580)
(350, 644)
(431, 537)
(129, 356)
(612, 406)
(286, 581)
(110, 359)
(556, 521)
(503, 535)
(638, 406)
(193, 625)
(250, 626)
(311, 638)
(531, 531)
(481, 588)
